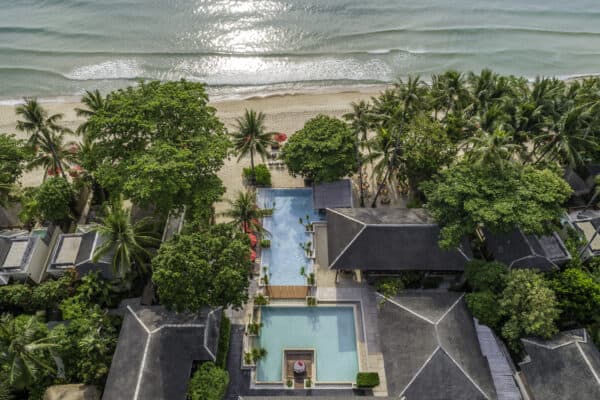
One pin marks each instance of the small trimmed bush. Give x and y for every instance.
(263, 175)
(482, 275)
(209, 382)
(367, 379)
(265, 243)
(224, 336)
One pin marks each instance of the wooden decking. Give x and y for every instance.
(287, 292)
(291, 356)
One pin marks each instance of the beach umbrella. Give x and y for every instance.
(253, 239)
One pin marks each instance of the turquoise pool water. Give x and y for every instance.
(285, 257)
(331, 331)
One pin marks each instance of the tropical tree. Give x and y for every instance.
(245, 213)
(324, 150)
(449, 92)
(13, 157)
(387, 158)
(360, 120)
(94, 102)
(251, 138)
(128, 242)
(40, 126)
(205, 268)
(53, 159)
(490, 148)
(27, 351)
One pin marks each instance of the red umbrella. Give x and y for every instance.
(280, 137)
(253, 239)
(252, 255)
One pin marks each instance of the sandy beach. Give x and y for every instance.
(284, 113)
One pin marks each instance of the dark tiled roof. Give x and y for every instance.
(332, 194)
(388, 239)
(431, 350)
(580, 188)
(85, 253)
(518, 250)
(567, 367)
(155, 352)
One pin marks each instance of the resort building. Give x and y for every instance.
(336, 194)
(388, 240)
(518, 250)
(76, 251)
(156, 351)
(24, 255)
(566, 367)
(587, 223)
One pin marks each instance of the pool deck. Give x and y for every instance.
(288, 292)
(291, 356)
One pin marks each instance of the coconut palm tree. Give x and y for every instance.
(251, 138)
(387, 155)
(127, 243)
(245, 213)
(94, 102)
(495, 148)
(41, 128)
(449, 92)
(26, 351)
(361, 120)
(45, 158)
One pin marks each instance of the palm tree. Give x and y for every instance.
(45, 159)
(387, 155)
(449, 92)
(94, 101)
(26, 353)
(251, 138)
(41, 128)
(245, 213)
(361, 121)
(128, 243)
(494, 149)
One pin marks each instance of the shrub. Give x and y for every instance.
(263, 175)
(484, 306)
(390, 287)
(27, 298)
(224, 337)
(412, 279)
(483, 275)
(367, 379)
(209, 382)
(578, 295)
(54, 199)
(260, 300)
(265, 243)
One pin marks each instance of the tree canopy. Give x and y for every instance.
(324, 150)
(13, 158)
(160, 143)
(206, 268)
(466, 197)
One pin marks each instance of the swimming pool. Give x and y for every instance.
(286, 257)
(329, 330)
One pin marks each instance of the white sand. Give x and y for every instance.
(284, 113)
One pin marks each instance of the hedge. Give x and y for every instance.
(367, 379)
(209, 382)
(223, 348)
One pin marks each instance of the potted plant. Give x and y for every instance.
(311, 301)
(307, 383)
(265, 243)
(289, 384)
(253, 328)
(261, 300)
(248, 359)
(258, 353)
(311, 279)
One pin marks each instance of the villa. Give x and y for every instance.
(24, 255)
(566, 367)
(156, 351)
(76, 251)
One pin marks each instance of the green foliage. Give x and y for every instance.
(27, 298)
(54, 200)
(26, 351)
(324, 150)
(426, 150)
(87, 342)
(161, 142)
(260, 300)
(13, 157)
(209, 382)
(483, 275)
(484, 306)
(367, 379)
(578, 295)
(224, 339)
(263, 175)
(466, 197)
(529, 306)
(265, 243)
(207, 268)
(244, 212)
(390, 287)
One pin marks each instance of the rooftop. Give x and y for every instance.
(564, 367)
(431, 350)
(76, 250)
(155, 352)
(388, 239)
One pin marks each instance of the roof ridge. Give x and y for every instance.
(449, 309)
(588, 363)
(335, 210)
(139, 320)
(464, 372)
(420, 370)
(348, 245)
(405, 308)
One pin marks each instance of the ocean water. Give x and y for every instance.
(62, 47)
